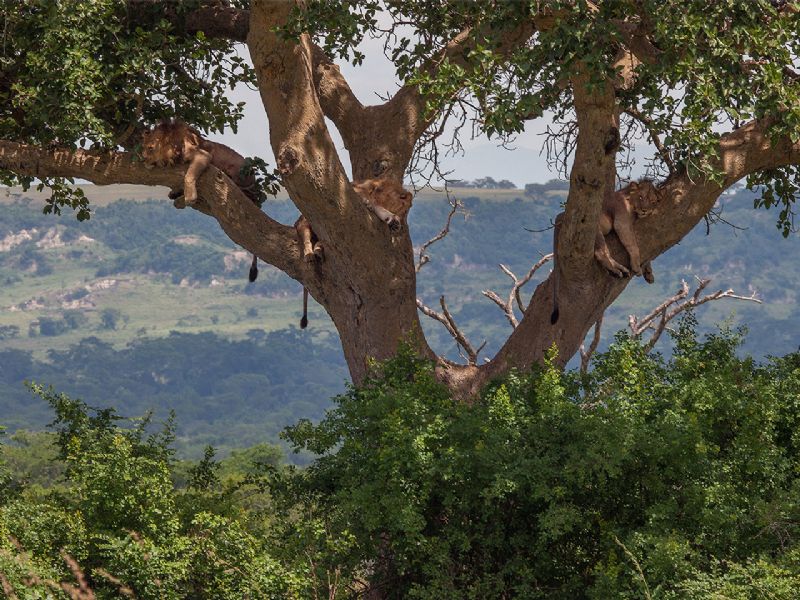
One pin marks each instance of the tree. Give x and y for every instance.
(709, 85)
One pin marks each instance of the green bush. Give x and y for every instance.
(118, 524)
(645, 479)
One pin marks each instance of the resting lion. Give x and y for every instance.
(173, 142)
(387, 198)
(620, 211)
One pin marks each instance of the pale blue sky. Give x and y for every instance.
(376, 76)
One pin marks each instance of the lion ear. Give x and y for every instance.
(634, 185)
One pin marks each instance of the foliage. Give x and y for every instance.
(119, 522)
(646, 478)
(714, 63)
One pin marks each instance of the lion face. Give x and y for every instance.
(644, 197)
(386, 193)
(163, 145)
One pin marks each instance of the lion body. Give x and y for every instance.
(175, 142)
(619, 213)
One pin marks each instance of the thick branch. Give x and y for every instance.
(684, 203)
(337, 100)
(213, 18)
(306, 155)
(592, 176)
(244, 223)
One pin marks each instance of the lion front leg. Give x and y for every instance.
(388, 217)
(624, 229)
(603, 256)
(198, 162)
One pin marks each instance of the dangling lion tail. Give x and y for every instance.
(304, 320)
(253, 269)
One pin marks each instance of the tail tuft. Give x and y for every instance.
(554, 317)
(304, 322)
(253, 270)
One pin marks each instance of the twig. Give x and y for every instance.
(586, 355)
(83, 591)
(7, 589)
(638, 567)
(446, 319)
(508, 306)
(664, 315)
(455, 206)
(649, 125)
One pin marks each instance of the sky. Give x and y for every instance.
(375, 77)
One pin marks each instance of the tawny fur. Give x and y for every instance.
(388, 199)
(620, 211)
(175, 142)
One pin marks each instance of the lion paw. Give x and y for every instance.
(394, 224)
(619, 271)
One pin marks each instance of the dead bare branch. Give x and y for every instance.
(7, 589)
(664, 315)
(446, 319)
(455, 206)
(514, 295)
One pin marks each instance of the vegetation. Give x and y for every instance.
(648, 478)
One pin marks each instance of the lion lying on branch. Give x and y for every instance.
(175, 142)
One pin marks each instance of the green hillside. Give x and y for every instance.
(150, 307)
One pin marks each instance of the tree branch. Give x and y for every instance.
(212, 17)
(648, 124)
(446, 319)
(244, 222)
(664, 316)
(586, 355)
(592, 177)
(507, 306)
(424, 259)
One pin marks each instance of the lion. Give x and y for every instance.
(387, 198)
(620, 211)
(173, 142)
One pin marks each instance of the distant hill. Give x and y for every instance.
(147, 306)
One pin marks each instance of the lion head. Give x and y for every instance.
(644, 197)
(163, 146)
(386, 193)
